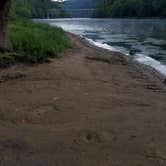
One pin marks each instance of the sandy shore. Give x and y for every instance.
(76, 111)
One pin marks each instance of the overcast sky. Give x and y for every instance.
(58, 0)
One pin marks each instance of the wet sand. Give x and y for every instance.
(77, 111)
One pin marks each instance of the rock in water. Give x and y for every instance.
(132, 52)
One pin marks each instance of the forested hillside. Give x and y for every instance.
(31, 8)
(79, 4)
(132, 8)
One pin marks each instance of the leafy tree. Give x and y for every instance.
(132, 8)
(24, 8)
(30, 8)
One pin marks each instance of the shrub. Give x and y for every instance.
(36, 42)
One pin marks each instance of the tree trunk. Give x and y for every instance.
(5, 44)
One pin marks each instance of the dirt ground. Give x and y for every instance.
(76, 111)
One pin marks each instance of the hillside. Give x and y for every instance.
(68, 6)
(31, 8)
(77, 4)
(132, 8)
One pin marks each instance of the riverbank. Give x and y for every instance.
(81, 110)
(122, 35)
(151, 67)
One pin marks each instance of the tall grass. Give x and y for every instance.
(36, 42)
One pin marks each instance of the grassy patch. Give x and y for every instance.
(107, 59)
(100, 58)
(36, 42)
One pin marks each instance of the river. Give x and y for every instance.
(147, 37)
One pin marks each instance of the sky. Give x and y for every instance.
(58, 0)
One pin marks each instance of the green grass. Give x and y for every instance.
(36, 42)
(107, 59)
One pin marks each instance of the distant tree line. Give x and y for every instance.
(31, 8)
(131, 8)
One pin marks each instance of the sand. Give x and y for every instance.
(76, 111)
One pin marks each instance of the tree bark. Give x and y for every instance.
(5, 44)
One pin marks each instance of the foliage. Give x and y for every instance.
(61, 13)
(132, 8)
(31, 8)
(36, 42)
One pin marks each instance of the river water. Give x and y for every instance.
(147, 37)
